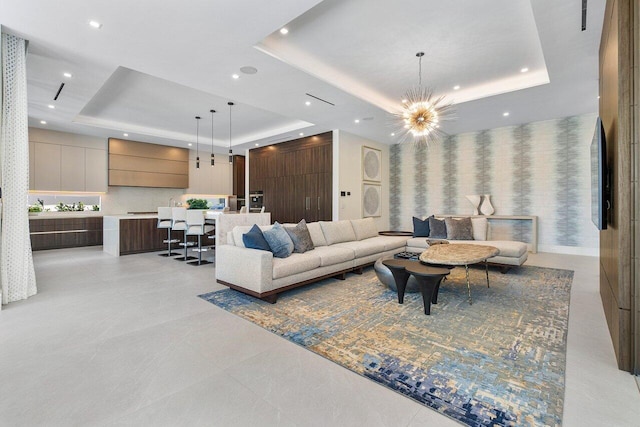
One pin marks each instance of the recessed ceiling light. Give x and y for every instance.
(356, 121)
(404, 101)
(190, 144)
(456, 87)
(257, 145)
(505, 114)
(67, 75)
(95, 24)
(307, 103)
(51, 106)
(235, 76)
(125, 134)
(524, 70)
(598, 96)
(393, 134)
(283, 30)
(301, 134)
(42, 122)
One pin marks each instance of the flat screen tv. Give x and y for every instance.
(599, 178)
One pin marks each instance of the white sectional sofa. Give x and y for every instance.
(340, 247)
(512, 254)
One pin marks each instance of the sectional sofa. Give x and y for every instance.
(340, 247)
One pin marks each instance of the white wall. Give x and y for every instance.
(347, 176)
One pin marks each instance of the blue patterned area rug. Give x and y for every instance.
(498, 362)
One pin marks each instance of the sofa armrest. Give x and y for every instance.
(248, 268)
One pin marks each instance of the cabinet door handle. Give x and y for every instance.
(318, 203)
(307, 203)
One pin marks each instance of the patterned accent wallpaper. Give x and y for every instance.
(539, 168)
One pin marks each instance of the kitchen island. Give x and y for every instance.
(134, 233)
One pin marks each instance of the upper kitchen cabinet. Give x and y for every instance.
(60, 161)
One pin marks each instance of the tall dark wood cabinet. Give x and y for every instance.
(238, 176)
(295, 177)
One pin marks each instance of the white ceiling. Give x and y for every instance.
(156, 64)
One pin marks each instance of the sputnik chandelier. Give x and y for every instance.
(422, 113)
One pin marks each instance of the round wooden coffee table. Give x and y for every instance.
(460, 254)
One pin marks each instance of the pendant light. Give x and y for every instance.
(213, 158)
(230, 104)
(197, 142)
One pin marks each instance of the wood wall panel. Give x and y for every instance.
(296, 178)
(616, 81)
(238, 176)
(138, 164)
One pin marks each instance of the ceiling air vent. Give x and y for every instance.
(320, 99)
(55, 98)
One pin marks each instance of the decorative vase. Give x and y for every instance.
(475, 201)
(486, 208)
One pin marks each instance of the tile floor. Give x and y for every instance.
(125, 342)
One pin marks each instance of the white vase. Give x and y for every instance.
(475, 201)
(486, 208)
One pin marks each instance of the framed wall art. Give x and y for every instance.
(371, 164)
(371, 200)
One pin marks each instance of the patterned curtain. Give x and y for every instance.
(17, 276)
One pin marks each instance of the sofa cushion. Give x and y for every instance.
(437, 228)
(317, 237)
(253, 239)
(296, 263)
(417, 242)
(362, 248)
(330, 255)
(507, 248)
(420, 227)
(239, 230)
(459, 229)
(300, 237)
(364, 228)
(279, 241)
(393, 242)
(480, 228)
(337, 231)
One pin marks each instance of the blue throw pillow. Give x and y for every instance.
(279, 241)
(420, 227)
(254, 239)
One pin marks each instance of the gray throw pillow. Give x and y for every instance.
(300, 236)
(459, 229)
(437, 228)
(279, 241)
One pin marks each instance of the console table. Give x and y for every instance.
(533, 245)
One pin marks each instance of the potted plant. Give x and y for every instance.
(197, 204)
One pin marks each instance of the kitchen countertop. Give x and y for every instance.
(133, 216)
(59, 215)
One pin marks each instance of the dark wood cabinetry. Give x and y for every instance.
(57, 233)
(296, 178)
(238, 176)
(143, 235)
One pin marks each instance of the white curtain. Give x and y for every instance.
(17, 276)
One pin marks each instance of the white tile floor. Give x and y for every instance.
(125, 341)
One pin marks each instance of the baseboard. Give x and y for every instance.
(569, 250)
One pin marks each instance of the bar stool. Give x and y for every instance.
(179, 223)
(243, 209)
(165, 221)
(196, 226)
